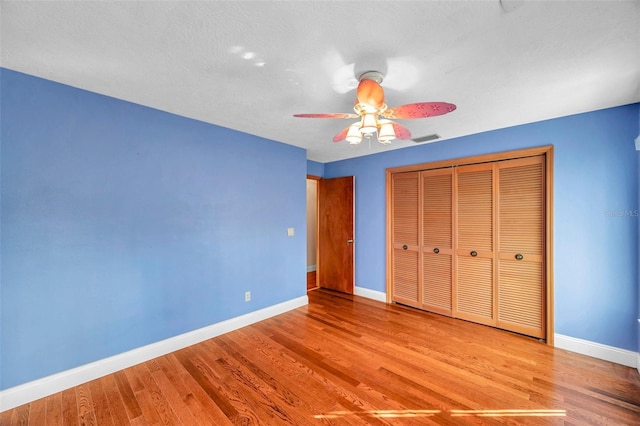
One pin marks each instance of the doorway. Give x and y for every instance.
(312, 231)
(330, 233)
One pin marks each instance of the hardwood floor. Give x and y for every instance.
(311, 281)
(348, 360)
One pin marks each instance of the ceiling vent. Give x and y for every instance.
(427, 138)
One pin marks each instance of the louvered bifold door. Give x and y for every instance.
(405, 223)
(437, 240)
(521, 209)
(474, 292)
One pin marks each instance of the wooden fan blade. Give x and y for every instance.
(419, 110)
(336, 115)
(401, 131)
(340, 136)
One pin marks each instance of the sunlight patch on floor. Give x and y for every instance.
(453, 413)
(509, 413)
(378, 414)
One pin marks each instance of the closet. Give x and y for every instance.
(469, 239)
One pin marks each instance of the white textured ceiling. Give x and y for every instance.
(250, 65)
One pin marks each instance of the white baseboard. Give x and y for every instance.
(40, 388)
(597, 350)
(371, 294)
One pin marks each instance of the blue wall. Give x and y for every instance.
(315, 169)
(638, 160)
(123, 225)
(595, 249)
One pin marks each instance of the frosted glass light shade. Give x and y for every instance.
(354, 136)
(386, 134)
(369, 124)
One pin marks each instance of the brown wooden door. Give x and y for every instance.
(335, 269)
(520, 212)
(405, 241)
(473, 241)
(475, 289)
(437, 240)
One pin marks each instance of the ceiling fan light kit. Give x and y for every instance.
(375, 115)
(354, 136)
(386, 133)
(369, 124)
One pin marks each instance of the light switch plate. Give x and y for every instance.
(290, 232)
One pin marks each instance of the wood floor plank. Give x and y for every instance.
(86, 414)
(100, 403)
(54, 409)
(264, 387)
(179, 395)
(21, 415)
(209, 382)
(69, 408)
(346, 360)
(301, 383)
(38, 412)
(143, 397)
(154, 397)
(167, 390)
(234, 382)
(5, 417)
(116, 404)
(127, 395)
(197, 393)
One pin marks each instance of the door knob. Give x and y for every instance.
(474, 253)
(436, 250)
(350, 241)
(519, 256)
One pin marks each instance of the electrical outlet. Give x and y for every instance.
(247, 296)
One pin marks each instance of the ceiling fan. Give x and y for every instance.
(374, 115)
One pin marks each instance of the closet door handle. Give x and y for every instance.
(474, 253)
(404, 247)
(519, 256)
(436, 250)
(350, 241)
